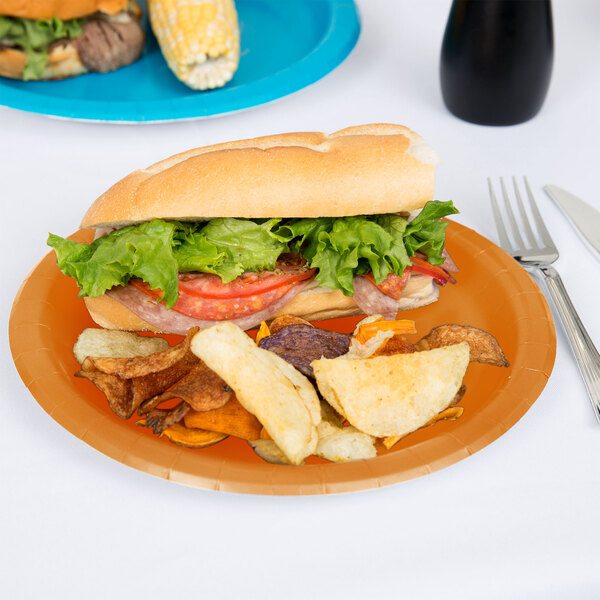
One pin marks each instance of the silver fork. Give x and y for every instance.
(539, 258)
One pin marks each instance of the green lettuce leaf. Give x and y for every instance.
(34, 37)
(426, 233)
(342, 248)
(246, 246)
(158, 250)
(143, 251)
(339, 248)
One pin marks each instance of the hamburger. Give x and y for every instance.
(51, 39)
(305, 224)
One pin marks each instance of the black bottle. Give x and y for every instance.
(496, 59)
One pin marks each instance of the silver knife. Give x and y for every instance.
(584, 217)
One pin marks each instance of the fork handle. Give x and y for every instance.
(586, 355)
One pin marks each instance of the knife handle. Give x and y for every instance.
(586, 354)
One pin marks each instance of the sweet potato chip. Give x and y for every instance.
(370, 347)
(396, 345)
(450, 414)
(189, 438)
(232, 419)
(366, 331)
(483, 346)
(263, 332)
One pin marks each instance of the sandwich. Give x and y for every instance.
(48, 39)
(306, 224)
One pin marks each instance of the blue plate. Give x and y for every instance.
(285, 46)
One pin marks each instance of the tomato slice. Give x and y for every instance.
(439, 274)
(289, 269)
(393, 285)
(205, 296)
(219, 309)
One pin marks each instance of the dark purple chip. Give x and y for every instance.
(301, 344)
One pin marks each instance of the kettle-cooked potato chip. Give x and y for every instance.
(393, 395)
(483, 346)
(280, 397)
(343, 444)
(116, 344)
(270, 452)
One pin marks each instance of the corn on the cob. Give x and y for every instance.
(200, 39)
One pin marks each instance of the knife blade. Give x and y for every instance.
(584, 217)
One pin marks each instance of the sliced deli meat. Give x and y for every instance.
(449, 264)
(419, 290)
(158, 316)
(372, 301)
(219, 309)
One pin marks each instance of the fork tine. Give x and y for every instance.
(544, 235)
(511, 217)
(504, 241)
(524, 217)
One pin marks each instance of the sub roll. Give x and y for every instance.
(308, 224)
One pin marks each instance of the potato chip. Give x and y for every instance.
(301, 344)
(113, 343)
(282, 399)
(128, 368)
(329, 415)
(342, 444)
(126, 395)
(130, 382)
(201, 388)
(159, 419)
(393, 395)
(118, 391)
(285, 320)
(370, 347)
(483, 346)
(269, 451)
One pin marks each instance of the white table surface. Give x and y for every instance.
(519, 519)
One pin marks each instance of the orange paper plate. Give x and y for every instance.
(493, 292)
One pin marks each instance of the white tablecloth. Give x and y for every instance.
(518, 519)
